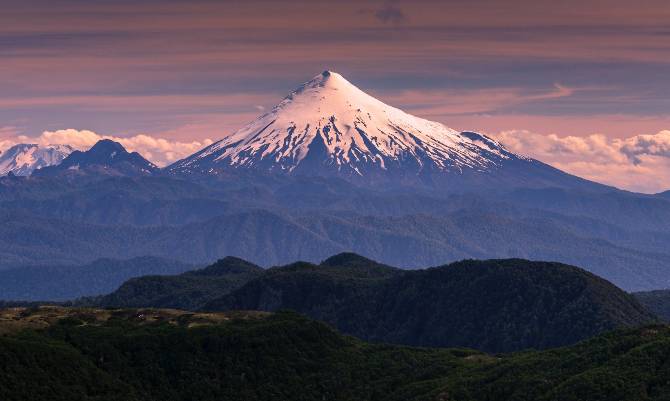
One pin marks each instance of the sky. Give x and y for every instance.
(582, 85)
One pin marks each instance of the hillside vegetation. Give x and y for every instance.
(137, 355)
(496, 305)
(189, 290)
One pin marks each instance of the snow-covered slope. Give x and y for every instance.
(330, 127)
(352, 131)
(23, 159)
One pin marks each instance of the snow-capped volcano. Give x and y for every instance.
(24, 158)
(347, 130)
(328, 127)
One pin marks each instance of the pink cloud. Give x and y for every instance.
(647, 145)
(638, 163)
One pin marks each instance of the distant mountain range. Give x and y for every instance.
(55, 220)
(23, 159)
(331, 169)
(496, 305)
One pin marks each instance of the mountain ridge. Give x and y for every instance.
(491, 305)
(494, 305)
(188, 290)
(269, 237)
(106, 157)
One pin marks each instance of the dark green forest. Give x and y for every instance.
(190, 290)
(494, 306)
(85, 354)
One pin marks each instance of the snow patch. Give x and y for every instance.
(23, 159)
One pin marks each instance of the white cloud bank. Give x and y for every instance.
(638, 163)
(158, 150)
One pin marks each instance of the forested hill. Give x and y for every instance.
(495, 305)
(189, 290)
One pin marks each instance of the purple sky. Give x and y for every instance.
(581, 84)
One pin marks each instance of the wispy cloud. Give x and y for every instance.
(445, 102)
